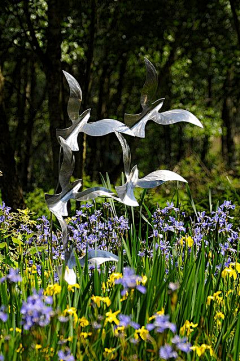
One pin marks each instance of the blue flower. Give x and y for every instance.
(65, 355)
(35, 312)
(166, 352)
(181, 343)
(12, 277)
(129, 281)
(3, 315)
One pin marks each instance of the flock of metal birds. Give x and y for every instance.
(134, 126)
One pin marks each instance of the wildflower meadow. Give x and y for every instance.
(174, 294)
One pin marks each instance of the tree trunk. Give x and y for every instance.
(9, 183)
(54, 77)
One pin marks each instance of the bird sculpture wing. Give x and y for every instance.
(147, 94)
(150, 86)
(57, 203)
(93, 193)
(104, 127)
(68, 163)
(96, 257)
(126, 153)
(63, 225)
(75, 98)
(158, 177)
(175, 116)
(71, 134)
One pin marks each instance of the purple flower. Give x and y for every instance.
(129, 281)
(3, 315)
(1, 357)
(126, 321)
(181, 343)
(35, 312)
(65, 355)
(161, 323)
(12, 277)
(166, 352)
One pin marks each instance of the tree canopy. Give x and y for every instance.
(194, 45)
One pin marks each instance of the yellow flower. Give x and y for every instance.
(111, 317)
(16, 329)
(219, 315)
(71, 312)
(188, 327)
(110, 353)
(201, 349)
(20, 348)
(143, 333)
(71, 287)
(229, 272)
(158, 313)
(83, 322)
(37, 347)
(98, 299)
(119, 331)
(84, 335)
(236, 265)
(53, 289)
(114, 276)
(215, 297)
(187, 240)
(144, 280)
(104, 287)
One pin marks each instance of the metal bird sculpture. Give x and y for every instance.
(152, 180)
(75, 97)
(80, 123)
(94, 257)
(57, 203)
(151, 108)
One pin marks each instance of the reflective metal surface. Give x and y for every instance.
(71, 134)
(57, 203)
(93, 257)
(95, 129)
(75, 98)
(151, 108)
(152, 180)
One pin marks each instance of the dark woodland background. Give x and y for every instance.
(195, 47)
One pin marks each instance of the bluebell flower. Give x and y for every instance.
(161, 323)
(35, 312)
(181, 344)
(3, 315)
(65, 355)
(13, 276)
(129, 281)
(166, 352)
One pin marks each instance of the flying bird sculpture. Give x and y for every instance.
(94, 257)
(152, 180)
(151, 108)
(57, 203)
(80, 122)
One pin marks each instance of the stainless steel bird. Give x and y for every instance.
(151, 108)
(80, 123)
(94, 257)
(152, 180)
(57, 203)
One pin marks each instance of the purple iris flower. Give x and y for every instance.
(166, 352)
(181, 344)
(65, 355)
(35, 312)
(3, 315)
(13, 276)
(129, 281)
